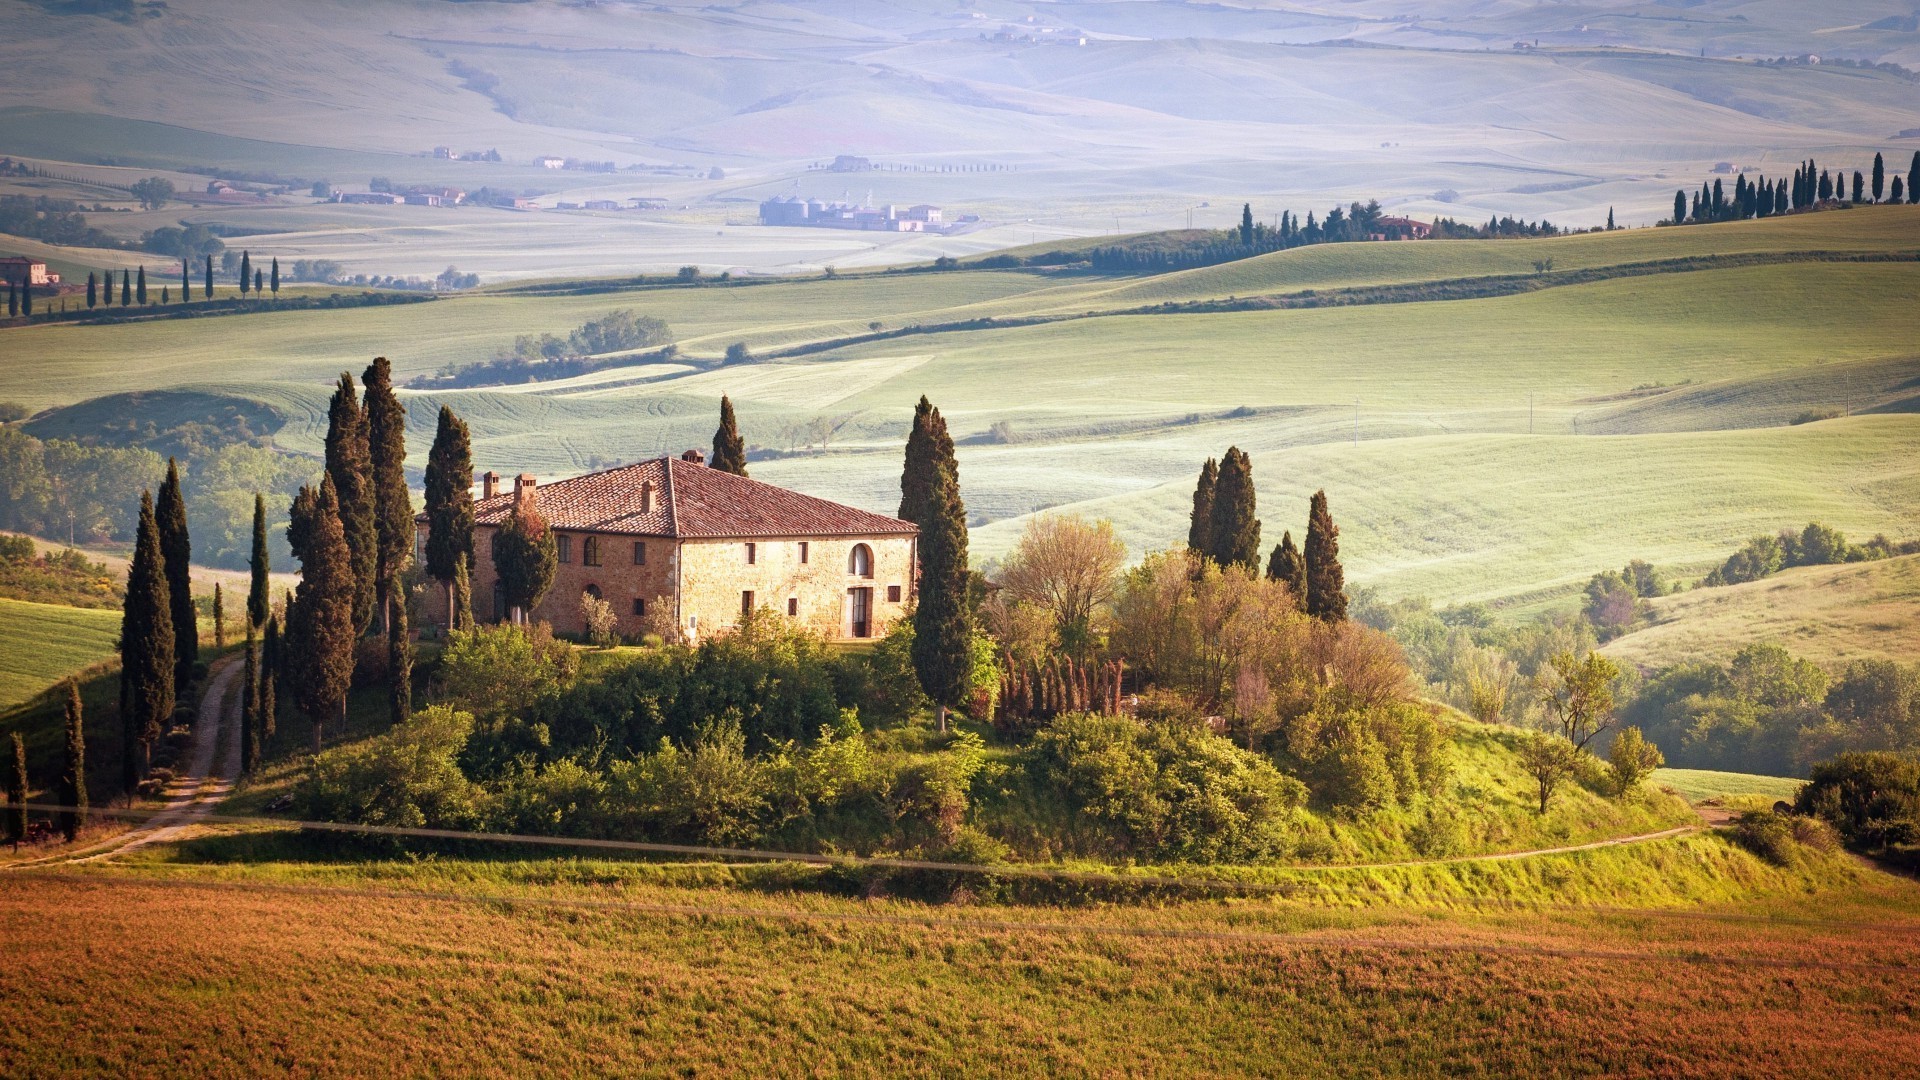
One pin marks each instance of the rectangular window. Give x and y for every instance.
(753, 550)
(565, 545)
(746, 602)
(590, 551)
(639, 607)
(639, 553)
(893, 594)
(793, 605)
(803, 551)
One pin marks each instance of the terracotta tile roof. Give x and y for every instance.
(689, 502)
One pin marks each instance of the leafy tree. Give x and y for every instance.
(392, 506)
(1066, 566)
(737, 353)
(1582, 704)
(350, 467)
(729, 449)
(257, 602)
(146, 649)
(1286, 565)
(942, 624)
(1632, 758)
(320, 620)
(929, 447)
(525, 557)
(176, 548)
(17, 792)
(1872, 799)
(1550, 760)
(1326, 579)
(1200, 521)
(1234, 530)
(449, 503)
(73, 770)
(154, 192)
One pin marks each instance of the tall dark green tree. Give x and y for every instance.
(1235, 530)
(219, 616)
(929, 449)
(273, 281)
(350, 467)
(1879, 177)
(392, 505)
(246, 272)
(126, 288)
(270, 668)
(257, 564)
(73, 768)
(250, 705)
(1913, 179)
(93, 291)
(207, 284)
(1246, 224)
(1326, 580)
(140, 288)
(146, 649)
(460, 599)
(1609, 219)
(449, 503)
(319, 646)
(1287, 566)
(942, 618)
(525, 558)
(399, 658)
(729, 448)
(1200, 521)
(176, 549)
(186, 282)
(17, 791)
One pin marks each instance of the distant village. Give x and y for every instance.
(816, 213)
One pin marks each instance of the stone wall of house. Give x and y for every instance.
(712, 575)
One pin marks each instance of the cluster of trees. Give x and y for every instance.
(54, 221)
(547, 356)
(1809, 186)
(56, 577)
(1815, 545)
(1222, 529)
(1767, 711)
(1616, 599)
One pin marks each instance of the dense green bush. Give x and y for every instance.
(1366, 758)
(1782, 839)
(408, 777)
(1872, 798)
(1168, 791)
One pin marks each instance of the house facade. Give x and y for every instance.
(672, 544)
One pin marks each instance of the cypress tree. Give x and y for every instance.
(1609, 219)
(73, 770)
(1235, 531)
(256, 283)
(1879, 177)
(399, 658)
(166, 297)
(1286, 565)
(350, 467)
(246, 272)
(1826, 186)
(186, 282)
(729, 449)
(270, 667)
(219, 617)
(942, 624)
(126, 289)
(257, 603)
(273, 281)
(140, 288)
(93, 291)
(208, 283)
(250, 706)
(928, 444)
(17, 792)
(1913, 179)
(176, 548)
(1859, 187)
(1899, 192)
(460, 601)
(320, 621)
(146, 649)
(392, 505)
(1326, 581)
(1200, 521)
(524, 557)
(1246, 224)
(449, 504)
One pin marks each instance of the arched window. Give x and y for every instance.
(590, 552)
(860, 563)
(593, 591)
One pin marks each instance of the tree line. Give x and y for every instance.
(1809, 187)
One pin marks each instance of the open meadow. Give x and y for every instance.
(46, 642)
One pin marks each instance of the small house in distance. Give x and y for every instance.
(18, 270)
(672, 543)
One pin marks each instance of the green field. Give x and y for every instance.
(1828, 614)
(46, 642)
(1697, 784)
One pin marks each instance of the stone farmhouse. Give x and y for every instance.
(672, 543)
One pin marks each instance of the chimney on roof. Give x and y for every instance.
(646, 497)
(523, 489)
(489, 484)
(694, 456)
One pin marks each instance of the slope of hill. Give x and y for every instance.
(47, 642)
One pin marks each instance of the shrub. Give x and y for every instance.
(1171, 792)
(1871, 798)
(708, 793)
(1781, 838)
(1632, 758)
(602, 625)
(495, 671)
(408, 777)
(1368, 757)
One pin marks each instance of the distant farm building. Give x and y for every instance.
(815, 213)
(603, 204)
(1400, 228)
(19, 270)
(550, 162)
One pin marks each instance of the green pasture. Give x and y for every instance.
(46, 642)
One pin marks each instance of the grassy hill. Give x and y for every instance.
(46, 642)
(1828, 614)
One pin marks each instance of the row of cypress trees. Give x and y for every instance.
(1223, 529)
(70, 791)
(1809, 186)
